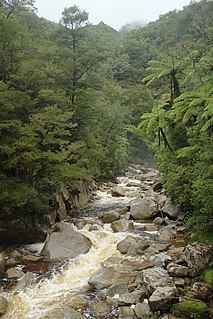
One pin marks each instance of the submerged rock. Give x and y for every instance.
(65, 242)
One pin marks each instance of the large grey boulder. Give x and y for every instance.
(130, 298)
(142, 208)
(103, 278)
(132, 246)
(65, 242)
(156, 277)
(162, 298)
(2, 265)
(172, 210)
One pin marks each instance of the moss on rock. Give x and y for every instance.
(191, 309)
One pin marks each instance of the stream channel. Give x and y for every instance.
(68, 283)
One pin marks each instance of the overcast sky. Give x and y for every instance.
(115, 13)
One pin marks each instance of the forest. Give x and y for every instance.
(81, 101)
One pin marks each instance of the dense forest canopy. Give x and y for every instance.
(78, 101)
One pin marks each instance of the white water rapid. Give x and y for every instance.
(37, 301)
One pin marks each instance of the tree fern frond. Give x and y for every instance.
(187, 151)
(207, 125)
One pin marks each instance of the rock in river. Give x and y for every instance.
(65, 242)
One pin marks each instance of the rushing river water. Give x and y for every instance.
(38, 300)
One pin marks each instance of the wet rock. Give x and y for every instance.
(2, 265)
(142, 208)
(102, 278)
(14, 273)
(28, 279)
(198, 257)
(110, 216)
(78, 302)
(118, 191)
(171, 210)
(122, 225)
(65, 242)
(191, 309)
(117, 289)
(142, 310)
(175, 270)
(163, 298)
(156, 277)
(100, 310)
(3, 305)
(10, 262)
(65, 312)
(16, 254)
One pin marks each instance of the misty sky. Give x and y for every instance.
(115, 13)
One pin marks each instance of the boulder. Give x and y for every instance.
(103, 278)
(142, 208)
(163, 298)
(156, 277)
(2, 265)
(110, 216)
(175, 270)
(171, 210)
(132, 246)
(165, 234)
(65, 312)
(65, 242)
(118, 191)
(122, 225)
(198, 257)
(142, 310)
(3, 305)
(123, 246)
